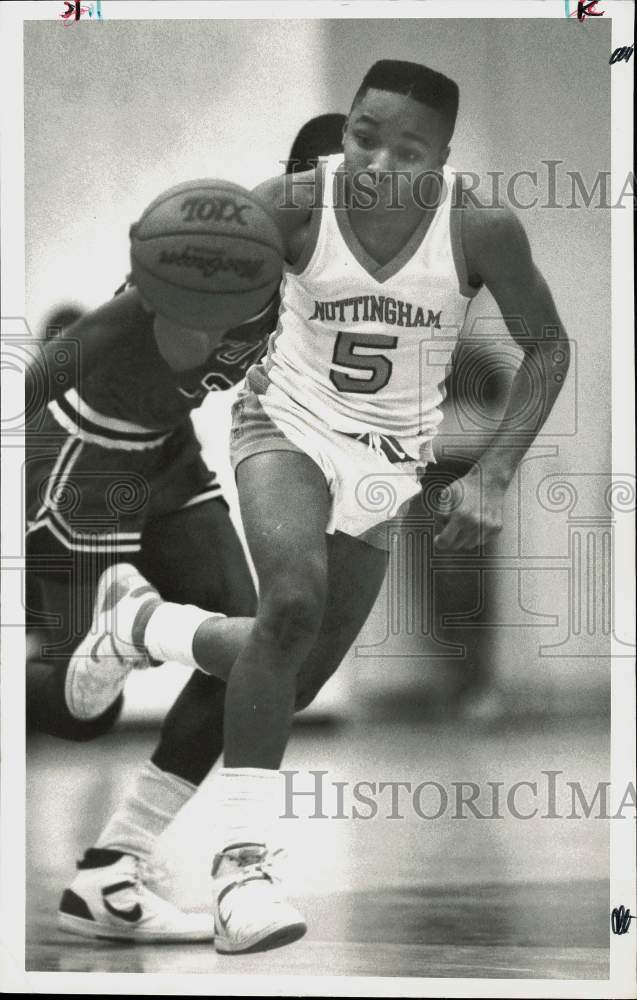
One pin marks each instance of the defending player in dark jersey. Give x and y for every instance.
(115, 478)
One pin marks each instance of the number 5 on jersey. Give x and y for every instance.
(377, 366)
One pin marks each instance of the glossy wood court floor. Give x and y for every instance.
(450, 897)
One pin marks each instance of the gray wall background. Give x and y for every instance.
(116, 112)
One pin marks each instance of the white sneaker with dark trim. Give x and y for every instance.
(98, 668)
(109, 898)
(250, 913)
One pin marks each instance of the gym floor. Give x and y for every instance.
(451, 897)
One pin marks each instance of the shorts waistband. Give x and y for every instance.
(79, 419)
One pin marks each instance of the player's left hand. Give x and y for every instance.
(474, 513)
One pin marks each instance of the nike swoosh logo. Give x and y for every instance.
(224, 920)
(132, 916)
(94, 651)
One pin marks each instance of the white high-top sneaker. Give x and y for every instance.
(98, 668)
(250, 912)
(109, 899)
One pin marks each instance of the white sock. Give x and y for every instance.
(153, 801)
(171, 629)
(248, 801)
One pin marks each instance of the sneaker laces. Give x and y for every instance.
(269, 867)
(156, 872)
(272, 864)
(147, 887)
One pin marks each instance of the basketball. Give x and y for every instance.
(206, 252)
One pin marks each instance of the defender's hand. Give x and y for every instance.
(474, 513)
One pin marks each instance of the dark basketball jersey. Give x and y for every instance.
(122, 447)
(134, 382)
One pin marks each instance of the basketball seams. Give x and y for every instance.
(206, 232)
(204, 291)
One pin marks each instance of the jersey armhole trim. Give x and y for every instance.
(315, 223)
(455, 231)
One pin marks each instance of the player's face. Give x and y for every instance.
(391, 133)
(164, 327)
(211, 335)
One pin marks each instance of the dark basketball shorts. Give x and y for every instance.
(92, 483)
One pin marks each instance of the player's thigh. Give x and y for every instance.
(285, 505)
(194, 556)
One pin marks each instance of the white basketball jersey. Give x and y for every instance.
(366, 347)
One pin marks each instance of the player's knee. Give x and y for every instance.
(291, 617)
(85, 730)
(65, 726)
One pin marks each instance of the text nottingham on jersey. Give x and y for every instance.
(380, 308)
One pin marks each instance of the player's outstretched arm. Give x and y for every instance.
(86, 340)
(498, 254)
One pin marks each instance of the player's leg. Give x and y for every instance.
(355, 573)
(214, 643)
(315, 593)
(285, 507)
(106, 885)
(193, 555)
(108, 889)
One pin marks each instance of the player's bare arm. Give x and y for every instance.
(499, 256)
(291, 198)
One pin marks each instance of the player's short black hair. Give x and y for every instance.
(419, 82)
(320, 136)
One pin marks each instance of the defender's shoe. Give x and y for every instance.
(249, 910)
(109, 899)
(101, 663)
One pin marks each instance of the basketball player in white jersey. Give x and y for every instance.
(381, 268)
